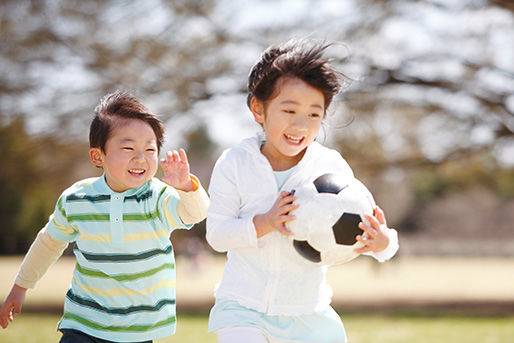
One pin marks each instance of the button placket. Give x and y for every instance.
(116, 219)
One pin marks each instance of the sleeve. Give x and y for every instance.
(168, 203)
(225, 228)
(391, 249)
(58, 225)
(192, 206)
(42, 254)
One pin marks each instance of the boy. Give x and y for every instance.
(123, 283)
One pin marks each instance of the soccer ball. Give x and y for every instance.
(326, 224)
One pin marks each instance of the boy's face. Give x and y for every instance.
(291, 121)
(130, 158)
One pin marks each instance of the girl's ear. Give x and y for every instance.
(96, 157)
(257, 108)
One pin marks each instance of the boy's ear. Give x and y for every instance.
(257, 108)
(96, 156)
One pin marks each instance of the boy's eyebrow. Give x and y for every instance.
(130, 140)
(297, 103)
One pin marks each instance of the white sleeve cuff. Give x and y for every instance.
(391, 249)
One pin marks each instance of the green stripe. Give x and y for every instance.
(91, 198)
(140, 197)
(124, 257)
(141, 216)
(105, 216)
(137, 328)
(118, 310)
(123, 277)
(61, 209)
(89, 217)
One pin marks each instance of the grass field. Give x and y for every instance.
(32, 327)
(415, 300)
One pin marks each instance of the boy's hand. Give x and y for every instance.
(176, 171)
(12, 305)
(376, 239)
(277, 216)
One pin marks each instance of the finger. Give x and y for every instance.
(370, 231)
(17, 309)
(287, 200)
(288, 208)
(5, 316)
(183, 156)
(176, 156)
(362, 250)
(373, 221)
(379, 214)
(169, 156)
(283, 230)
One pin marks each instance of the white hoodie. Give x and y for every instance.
(267, 274)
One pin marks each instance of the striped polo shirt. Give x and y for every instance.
(123, 286)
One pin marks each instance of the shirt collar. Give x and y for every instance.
(100, 185)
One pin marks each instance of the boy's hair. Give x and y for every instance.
(120, 105)
(296, 58)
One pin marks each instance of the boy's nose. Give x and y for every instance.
(139, 156)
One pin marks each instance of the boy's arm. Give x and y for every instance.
(192, 206)
(42, 254)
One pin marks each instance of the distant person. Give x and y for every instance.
(269, 293)
(123, 286)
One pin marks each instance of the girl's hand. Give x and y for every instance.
(12, 305)
(376, 239)
(176, 171)
(277, 216)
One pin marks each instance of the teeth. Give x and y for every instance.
(137, 171)
(294, 138)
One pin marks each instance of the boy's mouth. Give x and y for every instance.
(136, 172)
(294, 139)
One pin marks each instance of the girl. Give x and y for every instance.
(268, 292)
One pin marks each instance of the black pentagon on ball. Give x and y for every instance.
(307, 251)
(330, 183)
(347, 228)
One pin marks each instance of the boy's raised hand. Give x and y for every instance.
(12, 305)
(176, 171)
(376, 238)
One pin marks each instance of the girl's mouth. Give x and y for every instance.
(293, 139)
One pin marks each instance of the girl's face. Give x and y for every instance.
(130, 158)
(291, 121)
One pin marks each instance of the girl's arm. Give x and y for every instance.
(226, 228)
(42, 254)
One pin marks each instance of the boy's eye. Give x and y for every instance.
(150, 150)
(127, 148)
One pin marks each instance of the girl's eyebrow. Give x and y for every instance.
(293, 102)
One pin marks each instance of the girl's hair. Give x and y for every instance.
(302, 59)
(120, 105)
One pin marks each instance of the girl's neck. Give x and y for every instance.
(281, 163)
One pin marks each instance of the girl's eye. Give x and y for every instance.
(315, 115)
(289, 111)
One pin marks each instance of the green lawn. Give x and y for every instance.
(30, 327)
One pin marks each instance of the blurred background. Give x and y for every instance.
(427, 124)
